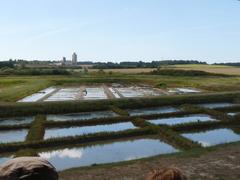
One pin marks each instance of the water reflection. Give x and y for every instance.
(4, 159)
(107, 153)
(13, 135)
(81, 116)
(16, 120)
(61, 132)
(213, 137)
(154, 110)
(180, 120)
(216, 105)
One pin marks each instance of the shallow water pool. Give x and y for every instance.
(81, 116)
(184, 119)
(62, 132)
(106, 153)
(154, 110)
(16, 120)
(213, 137)
(216, 105)
(13, 135)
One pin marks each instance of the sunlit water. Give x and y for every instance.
(13, 135)
(216, 105)
(62, 132)
(37, 96)
(81, 116)
(180, 120)
(213, 137)
(95, 93)
(16, 120)
(65, 94)
(130, 92)
(3, 160)
(154, 110)
(107, 153)
(232, 113)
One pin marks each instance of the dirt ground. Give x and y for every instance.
(221, 163)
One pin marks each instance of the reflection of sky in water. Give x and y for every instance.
(4, 159)
(98, 154)
(81, 116)
(37, 96)
(60, 132)
(13, 135)
(148, 111)
(185, 119)
(95, 93)
(16, 120)
(65, 94)
(130, 92)
(213, 137)
(216, 105)
(232, 113)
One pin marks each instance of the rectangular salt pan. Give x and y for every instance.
(38, 96)
(213, 137)
(180, 120)
(216, 105)
(106, 153)
(63, 132)
(13, 136)
(16, 120)
(65, 94)
(129, 92)
(95, 93)
(81, 116)
(154, 110)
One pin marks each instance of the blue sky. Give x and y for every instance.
(121, 30)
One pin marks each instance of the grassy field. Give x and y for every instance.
(13, 88)
(209, 68)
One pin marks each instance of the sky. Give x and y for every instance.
(120, 30)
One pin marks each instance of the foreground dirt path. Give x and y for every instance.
(221, 163)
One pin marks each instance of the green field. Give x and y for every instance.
(13, 88)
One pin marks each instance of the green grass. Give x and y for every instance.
(13, 88)
(37, 129)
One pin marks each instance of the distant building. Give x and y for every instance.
(74, 59)
(64, 61)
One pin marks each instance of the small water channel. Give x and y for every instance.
(216, 105)
(154, 110)
(213, 137)
(73, 131)
(16, 120)
(81, 116)
(184, 119)
(13, 135)
(106, 153)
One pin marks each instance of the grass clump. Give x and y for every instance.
(175, 139)
(119, 111)
(37, 129)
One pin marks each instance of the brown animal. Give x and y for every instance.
(170, 173)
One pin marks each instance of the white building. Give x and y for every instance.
(74, 59)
